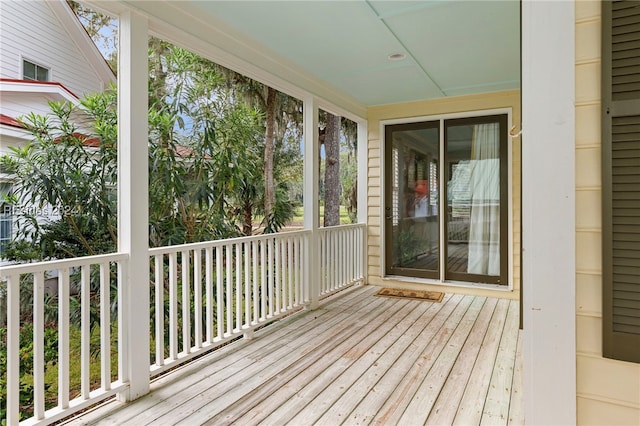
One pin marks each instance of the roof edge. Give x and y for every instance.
(17, 85)
(72, 25)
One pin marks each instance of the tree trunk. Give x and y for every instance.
(269, 148)
(158, 75)
(247, 218)
(332, 171)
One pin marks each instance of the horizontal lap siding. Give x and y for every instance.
(608, 390)
(31, 31)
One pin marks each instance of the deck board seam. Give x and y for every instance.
(260, 393)
(196, 419)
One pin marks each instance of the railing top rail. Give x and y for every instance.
(29, 268)
(342, 227)
(217, 243)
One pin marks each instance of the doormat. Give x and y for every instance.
(430, 296)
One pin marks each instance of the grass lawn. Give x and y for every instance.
(298, 216)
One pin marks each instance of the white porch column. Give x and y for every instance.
(311, 203)
(133, 204)
(363, 188)
(548, 211)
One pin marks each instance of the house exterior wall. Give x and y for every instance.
(16, 104)
(488, 101)
(608, 391)
(48, 34)
(31, 31)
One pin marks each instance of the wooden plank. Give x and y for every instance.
(356, 391)
(357, 360)
(271, 338)
(496, 407)
(307, 382)
(516, 407)
(391, 344)
(472, 403)
(420, 406)
(372, 402)
(398, 399)
(242, 383)
(245, 373)
(445, 407)
(376, 396)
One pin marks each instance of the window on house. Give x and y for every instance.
(31, 71)
(621, 180)
(446, 199)
(6, 217)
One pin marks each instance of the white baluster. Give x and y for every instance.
(63, 338)
(173, 306)
(238, 286)
(105, 326)
(85, 330)
(159, 299)
(219, 293)
(209, 292)
(197, 296)
(186, 303)
(38, 345)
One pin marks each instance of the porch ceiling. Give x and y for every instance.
(452, 48)
(338, 50)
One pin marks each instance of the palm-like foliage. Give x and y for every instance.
(64, 190)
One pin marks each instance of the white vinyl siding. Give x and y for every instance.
(46, 42)
(18, 104)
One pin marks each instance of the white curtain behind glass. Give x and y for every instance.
(484, 188)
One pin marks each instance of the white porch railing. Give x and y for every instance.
(202, 295)
(208, 293)
(341, 250)
(86, 277)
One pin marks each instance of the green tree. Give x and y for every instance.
(64, 191)
(102, 29)
(281, 161)
(194, 190)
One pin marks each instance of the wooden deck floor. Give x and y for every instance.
(358, 359)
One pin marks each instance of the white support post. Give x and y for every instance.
(311, 202)
(548, 212)
(133, 205)
(363, 187)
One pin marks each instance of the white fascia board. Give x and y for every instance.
(31, 87)
(183, 24)
(81, 39)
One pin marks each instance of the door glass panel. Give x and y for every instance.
(473, 199)
(412, 211)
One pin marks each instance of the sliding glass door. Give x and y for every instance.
(447, 222)
(412, 208)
